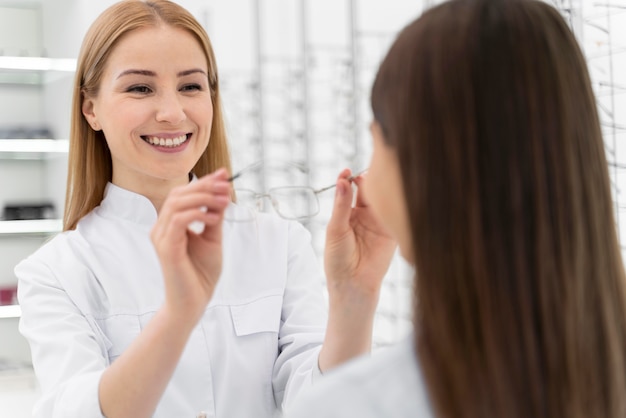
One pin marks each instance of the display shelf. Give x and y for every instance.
(10, 311)
(31, 227)
(33, 70)
(37, 64)
(32, 148)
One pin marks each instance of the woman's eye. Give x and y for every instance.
(139, 89)
(191, 87)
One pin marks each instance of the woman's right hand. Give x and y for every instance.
(192, 263)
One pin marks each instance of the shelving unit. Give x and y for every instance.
(37, 64)
(306, 99)
(602, 28)
(32, 148)
(33, 70)
(30, 227)
(33, 101)
(29, 73)
(10, 311)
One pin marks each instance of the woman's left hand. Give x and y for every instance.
(357, 255)
(358, 249)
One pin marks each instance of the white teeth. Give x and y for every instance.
(166, 142)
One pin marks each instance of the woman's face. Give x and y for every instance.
(384, 193)
(154, 107)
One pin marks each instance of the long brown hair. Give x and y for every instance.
(519, 294)
(90, 166)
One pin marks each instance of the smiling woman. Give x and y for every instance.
(156, 114)
(131, 75)
(131, 311)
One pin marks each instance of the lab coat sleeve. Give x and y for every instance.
(68, 352)
(303, 320)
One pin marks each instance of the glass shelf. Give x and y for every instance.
(33, 70)
(10, 311)
(37, 64)
(32, 148)
(31, 227)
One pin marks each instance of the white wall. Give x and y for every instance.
(20, 35)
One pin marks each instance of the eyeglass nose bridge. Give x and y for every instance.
(310, 197)
(281, 203)
(275, 202)
(259, 200)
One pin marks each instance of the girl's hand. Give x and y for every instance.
(192, 263)
(357, 255)
(358, 249)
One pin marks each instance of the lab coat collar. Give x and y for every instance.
(119, 203)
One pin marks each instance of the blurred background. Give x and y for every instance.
(295, 79)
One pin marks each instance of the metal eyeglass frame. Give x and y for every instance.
(271, 193)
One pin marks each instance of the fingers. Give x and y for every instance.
(214, 201)
(211, 192)
(342, 207)
(212, 184)
(194, 205)
(360, 199)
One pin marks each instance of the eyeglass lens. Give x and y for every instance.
(289, 202)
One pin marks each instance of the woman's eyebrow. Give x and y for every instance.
(149, 73)
(192, 71)
(136, 72)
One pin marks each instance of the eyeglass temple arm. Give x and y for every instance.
(233, 177)
(260, 163)
(350, 179)
(248, 168)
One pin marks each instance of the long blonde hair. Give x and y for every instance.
(90, 165)
(520, 299)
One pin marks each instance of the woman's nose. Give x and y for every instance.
(170, 109)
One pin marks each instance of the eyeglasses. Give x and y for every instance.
(289, 202)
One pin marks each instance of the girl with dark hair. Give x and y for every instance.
(489, 169)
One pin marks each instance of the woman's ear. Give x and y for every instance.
(89, 113)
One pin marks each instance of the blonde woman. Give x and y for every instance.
(128, 312)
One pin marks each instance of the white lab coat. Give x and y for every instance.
(388, 383)
(86, 294)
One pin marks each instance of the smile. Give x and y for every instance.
(166, 142)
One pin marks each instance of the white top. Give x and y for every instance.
(388, 384)
(87, 293)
